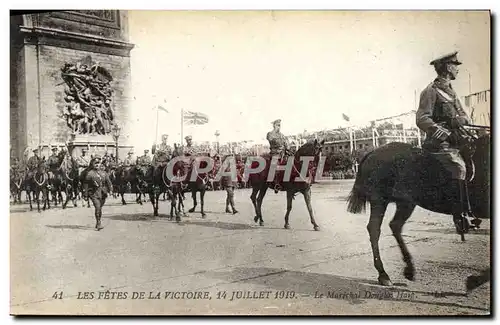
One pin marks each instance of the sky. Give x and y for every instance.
(245, 69)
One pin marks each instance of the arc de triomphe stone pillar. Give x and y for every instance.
(94, 47)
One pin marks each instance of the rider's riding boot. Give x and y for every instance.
(467, 207)
(457, 208)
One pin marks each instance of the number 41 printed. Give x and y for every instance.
(57, 295)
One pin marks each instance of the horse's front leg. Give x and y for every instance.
(193, 195)
(152, 196)
(37, 196)
(289, 198)
(260, 199)
(202, 203)
(29, 198)
(307, 198)
(253, 197)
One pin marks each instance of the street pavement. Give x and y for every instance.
(226, 264)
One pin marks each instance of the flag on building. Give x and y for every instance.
(345, 117)
(195, 118)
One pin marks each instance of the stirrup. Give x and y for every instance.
(277, 188)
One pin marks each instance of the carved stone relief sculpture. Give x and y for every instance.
(88, 96)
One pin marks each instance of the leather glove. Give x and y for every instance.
(458, 121)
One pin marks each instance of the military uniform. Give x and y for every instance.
(53, 163)
(129, 161)
(278, 146)
(229, 184)
(33, 163)
(144, 160)
(440, 115)
(277, 141)
(97, 185)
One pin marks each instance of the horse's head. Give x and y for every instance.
(311, 148)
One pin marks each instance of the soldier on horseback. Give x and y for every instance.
(441, 116)
(53, 162)
(278, 146)
(96, 186)
(144, 160)
(83, 162)
(188, 150)
(33, 163)
(129, 161)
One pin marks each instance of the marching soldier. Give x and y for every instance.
(96, 187)
(441, 116)
(129, 161)
(228, 183)
(278, 146)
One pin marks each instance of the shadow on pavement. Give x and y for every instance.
(220, 225)
(352, 290)
(72, 227)
(135, 217)
(451, 231)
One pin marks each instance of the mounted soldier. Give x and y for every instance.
(164, 147)
(129, 161)
(83, 161)
(33, 163)
(54, 162)
(441, 116)
(96, 186)
(278, 147)
(188, 150)
(144, 160)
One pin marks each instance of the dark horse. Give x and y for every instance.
(70, 180)
(38, 182)
(191, 179)
(260, 183)
(159, 182)
(407, 176)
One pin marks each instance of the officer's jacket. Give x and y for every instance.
(33, 162)
(277, 142)
(98, 183)
(439, 103)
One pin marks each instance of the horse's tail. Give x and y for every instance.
(356, 201)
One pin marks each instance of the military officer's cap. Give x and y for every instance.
(35, 150)
(146, 150)
(84, 150)
(448, 58)
(276, 121)
(130, 152)
(188, 137)
(54, 149)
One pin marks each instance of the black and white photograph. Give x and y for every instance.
(250, 162)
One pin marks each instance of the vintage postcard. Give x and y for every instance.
(250, 162)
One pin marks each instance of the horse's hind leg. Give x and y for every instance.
(403, 212)
(289, 198)
(307, 198)
(377, 212)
